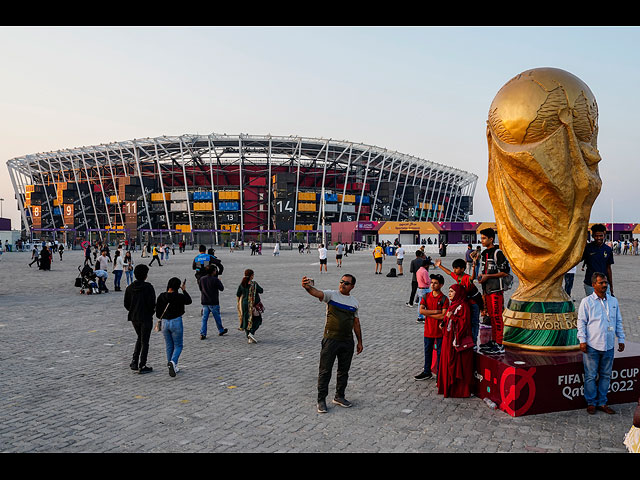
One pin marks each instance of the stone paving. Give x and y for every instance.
(66, 385)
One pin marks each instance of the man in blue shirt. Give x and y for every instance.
(599, 323)
(598, 257)
(204, 259)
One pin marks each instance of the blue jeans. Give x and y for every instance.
(215, 311)
(568, 282)
(475, 322)
(597, 364)
(172, 331)
(429, 344)
(129, 276)
(117, 276)
(419, 294)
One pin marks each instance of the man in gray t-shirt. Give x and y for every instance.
(339, 253)
(342, 321)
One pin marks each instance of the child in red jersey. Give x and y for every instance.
(474, 297)
(433, 306)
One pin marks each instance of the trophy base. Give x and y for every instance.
(546, 326)
(525, 382)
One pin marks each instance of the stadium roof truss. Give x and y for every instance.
(219, 156)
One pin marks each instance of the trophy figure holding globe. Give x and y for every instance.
(543, 180)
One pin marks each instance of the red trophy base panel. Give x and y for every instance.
(525, 382)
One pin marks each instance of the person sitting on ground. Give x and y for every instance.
(102, 278)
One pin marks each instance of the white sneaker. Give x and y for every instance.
(251, 337)
(173, 368)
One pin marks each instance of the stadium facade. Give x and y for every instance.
(243, 184)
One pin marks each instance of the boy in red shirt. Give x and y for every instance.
(433, 306)
(473, 294)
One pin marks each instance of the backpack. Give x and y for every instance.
(392, 273)
(216, 261)
(505, 283)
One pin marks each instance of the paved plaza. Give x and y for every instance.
(66, 385)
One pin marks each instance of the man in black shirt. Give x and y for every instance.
(140, 301)
(598, 257)
(413, 268)
(210, 288)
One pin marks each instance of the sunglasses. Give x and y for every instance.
(345, 283)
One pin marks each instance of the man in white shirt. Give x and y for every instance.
(103, 259)
(322, 255)
(399, 258)
(599, 323)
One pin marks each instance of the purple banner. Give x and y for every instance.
(366, 226)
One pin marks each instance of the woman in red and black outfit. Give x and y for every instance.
(456, 367)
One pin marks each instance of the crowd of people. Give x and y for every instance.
(625, 247)
(169, 307)
(451, 317)
(452, 321)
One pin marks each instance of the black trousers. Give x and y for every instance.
(141, 350)
(155, 257)
(333, 349)
(414, 289)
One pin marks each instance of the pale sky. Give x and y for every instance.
(423, 91)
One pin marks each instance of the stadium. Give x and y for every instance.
(213, 187)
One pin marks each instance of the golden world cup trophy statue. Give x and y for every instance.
(543, 180)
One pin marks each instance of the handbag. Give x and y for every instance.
(158, 326)
(464, 344)
(258, 309)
